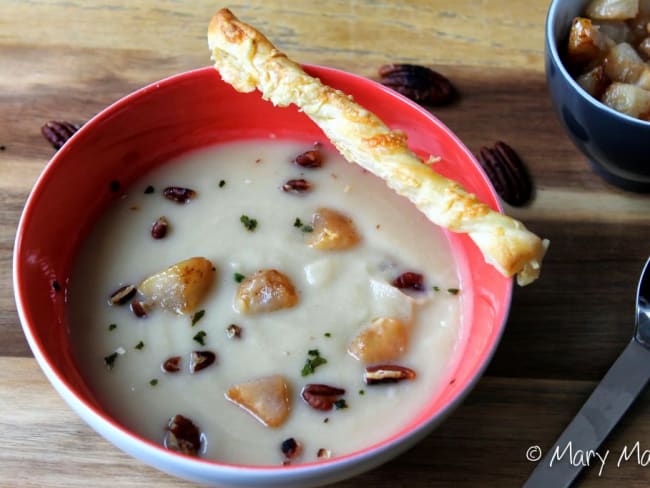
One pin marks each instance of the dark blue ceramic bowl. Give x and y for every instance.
(616, 145)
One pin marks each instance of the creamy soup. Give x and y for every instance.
(244, 217)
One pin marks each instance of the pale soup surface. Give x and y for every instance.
(339, 293)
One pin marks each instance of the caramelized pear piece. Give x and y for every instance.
(382, 340)
(181, 287)
(587, 45)
(266, 399)
(265, 291)
(332, 230)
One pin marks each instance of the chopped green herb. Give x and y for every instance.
(197, 316)
(222, 183)
(250, 224)
(436, 288)
(340, 404)
(200, 336)
(313, 361)
(239, 277)
(153, 382)
(139, 345)
(362, 392)
(110, 360)
(453, 291)
(327, 334)
(112, 327)
(303, 227)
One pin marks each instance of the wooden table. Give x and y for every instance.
(68, 60)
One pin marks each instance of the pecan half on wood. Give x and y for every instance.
(419, 83)
(507, 173)
(57, 132)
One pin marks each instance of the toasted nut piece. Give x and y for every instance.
(419, 83)
(57, 132)
(299, 185)
(409, 281)
(200, 360)
(332, 231)
(172, 365)
(384, 339)
(266, 290)
(233, 331)
(321, 397)
(179, 194)
(387, 373)
(183, 436)
(181, 287)
(324, 453)
(310, 159)
(159, 228)
(140, 309)
(291, 448)
(122, 295)
(266, 399)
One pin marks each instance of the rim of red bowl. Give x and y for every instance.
(424, 419)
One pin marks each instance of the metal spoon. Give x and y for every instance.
(628, 376)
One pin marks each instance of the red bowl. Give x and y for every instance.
(183, 113)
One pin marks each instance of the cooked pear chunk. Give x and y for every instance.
(629, 99)
(181, 287)
(623, 64)
(332, 230)
(587, 45)
(384, 339)
(266, 290)
(267, 399)
(594, 81)
(612, 9)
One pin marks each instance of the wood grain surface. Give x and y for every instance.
(68, 60)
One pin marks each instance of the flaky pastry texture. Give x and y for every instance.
(247, 60)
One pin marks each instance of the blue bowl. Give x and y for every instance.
(616, 145)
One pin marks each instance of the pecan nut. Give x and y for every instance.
(200, 360)
(321, 397)
(410, 281)
(139, 308)
(179, 194)
(182, 436)
(159, 228)
(507, 173)
(57, 132)
(299, 185)
(234, 331)
(419, 83)
(310, 159)
(172, 364)
(387, 373)
(122, 295)
(291, 448)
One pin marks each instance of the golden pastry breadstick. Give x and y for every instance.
(248, 61)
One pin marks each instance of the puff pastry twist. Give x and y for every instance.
(247, 60)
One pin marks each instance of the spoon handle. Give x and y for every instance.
(578, 444)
